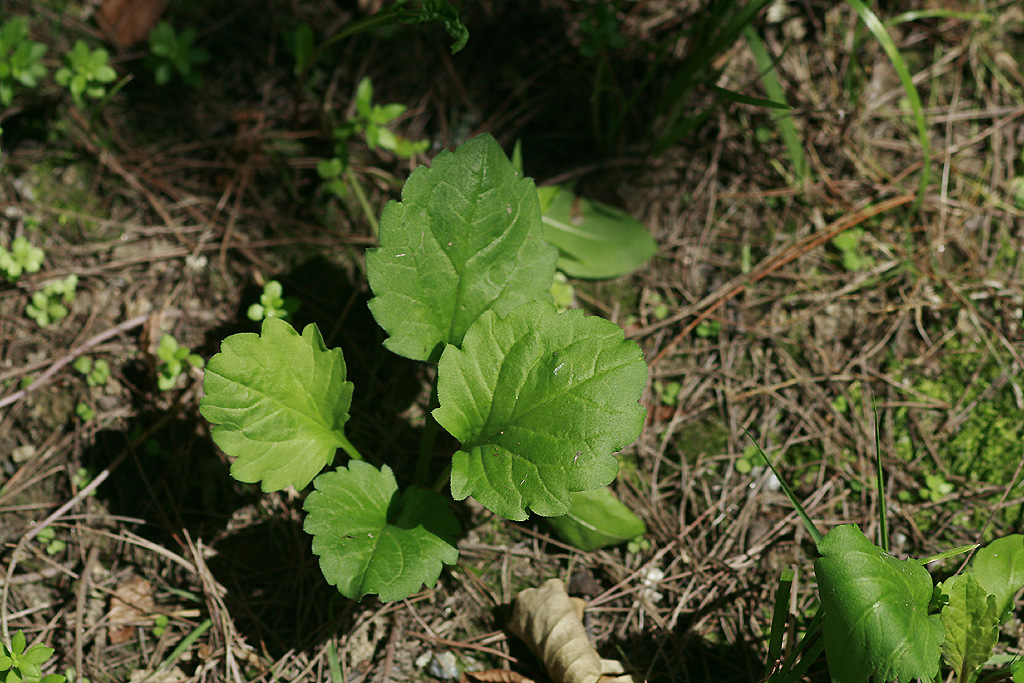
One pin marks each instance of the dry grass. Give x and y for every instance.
(173, 207)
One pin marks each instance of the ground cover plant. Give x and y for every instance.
(814, 249)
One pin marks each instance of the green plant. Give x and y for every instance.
(173, 361)
(175, 53)
(19, 59)
(272, 304)
(48, 537)
(96, 373)
(49, 305)
(883, 619)
(85, 72)
(25, 666)
(22, 258)
(539, 401)
(85, 412)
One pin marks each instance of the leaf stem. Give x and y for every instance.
(357, 190)
(429, 438)
(347, 446)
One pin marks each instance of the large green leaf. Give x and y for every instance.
(597, 519)
(540, 401)
(370, 539)
(999, 567)
(876, 620)
(972, 625)
(278, 403)
(466, 238)
(595, 240)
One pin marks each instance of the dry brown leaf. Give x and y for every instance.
(127, 22)
(131, 601)
(551, 623)
(496, 676)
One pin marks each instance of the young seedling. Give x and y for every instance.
(539, 401)
(272, 304)
(20, 57)
(96, 373)
(86, 72)
(25, 666)
(174, 360)
(50, 305)
(22, 258)
(174, 53)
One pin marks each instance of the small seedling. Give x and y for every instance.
(82, 478)
(86, 72)
(175, 53)
(49, 305)
(174, 359)
(332, 172)
(935, 488)
(708, 329)
(48, 537)
(371, 121)
(850, 249)
(96, 373)
(668, 392)
(460, 279)
(160, 623)
(272, 304)
(25, 666)
(22, 258)
(85, 411)
(19, 59)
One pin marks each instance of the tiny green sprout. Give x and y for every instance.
(750, 459)
(48, 537)
(85, 411)
(160, 623)
(668, 392)
(96, 374)
(173, 359)
(1017, 191)
(20, 57)
(708, 329)
(83, 477)
(935, 488)
(25, 666)
(272, 304)
(840, 404)
(49, 305)
(330, 171)
(22, 258)
(848, 243)
(637, 545)
(659, 308)
(175, 53)
(86, 72)
(371, 120)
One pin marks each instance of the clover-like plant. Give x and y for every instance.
(20, 57)
(20, 665)
(175, 53)
(50, 304)
(273, 304)
(538, 400)
(174, 360)
(22, 258)
(86, 72)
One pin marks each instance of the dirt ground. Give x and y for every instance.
(174, 205)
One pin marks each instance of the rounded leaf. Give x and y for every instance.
(540, 401)
(370, 539)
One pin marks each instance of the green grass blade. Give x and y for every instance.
(185, 644)
(779, 615)
(804, 517)
(949, 553)
(878, 30)
(917, 15)
(770, 81)
(880, 484)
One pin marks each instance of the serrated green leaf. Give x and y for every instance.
(466, 238)
(370, 539)
(539, 401)
(971, 619)
(594, 240)
(278, 403)
(597, 519)
(999, 568)
(876, 622)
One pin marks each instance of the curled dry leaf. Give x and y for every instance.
(131, 601)
(495, 676)
(551, 623)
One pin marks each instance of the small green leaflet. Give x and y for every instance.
(370, 539)
(594, 240)
(597, 519)
(876, 622)
(540, 401)
(278, 403)
(999, 567)
(466, 238)
(972, 625)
